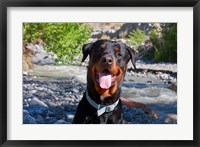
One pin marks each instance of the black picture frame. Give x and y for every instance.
(4, 4)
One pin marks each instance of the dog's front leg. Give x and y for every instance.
(131, 104)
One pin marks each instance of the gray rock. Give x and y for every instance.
(41, 88)
(171, 119)
(36, 102)
(27, 119)
(164, 76)
(68, 99)
(70, 116)
(38, 110)
(76, 100)
(42, 95)
(49, 91)
(72, 100)
(40, 119)
(97, 34)
(61, 107)
(61, 121)
(75, 90)
(173, 87)
(33, 91)
(51, 104)
(50, 120)
(25, 73)
(25, 112)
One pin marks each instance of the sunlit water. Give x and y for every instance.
(155, 94)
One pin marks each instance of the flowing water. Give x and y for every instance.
(147, 90)
(158, 97)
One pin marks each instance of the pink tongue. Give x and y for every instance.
(105, 80)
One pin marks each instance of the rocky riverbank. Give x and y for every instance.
(54, 101)
(51, 93)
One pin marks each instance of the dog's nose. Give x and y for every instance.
(107, 60)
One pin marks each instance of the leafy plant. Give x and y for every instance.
(64, 39)
(165, 42)
(137, 37)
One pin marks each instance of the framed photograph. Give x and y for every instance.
(99, 73)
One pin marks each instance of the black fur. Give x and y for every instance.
(87, 113)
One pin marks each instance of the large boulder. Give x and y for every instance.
(41, 56)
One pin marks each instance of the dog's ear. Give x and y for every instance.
(133, 55)
(86, 50)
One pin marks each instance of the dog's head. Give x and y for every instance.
(108, 63)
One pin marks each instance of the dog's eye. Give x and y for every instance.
(118, 54)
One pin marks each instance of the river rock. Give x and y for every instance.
(56, 99)
(51, 104)
(38, 110)
(40, 119)
(25, 112)
(27, 119)
(70, 116)
(36, 102)
(33, 91)
(97, 34)
(25, 73)
(75, 90)
(50, 120)
(61, 121)
(171, 119)
(173, 87)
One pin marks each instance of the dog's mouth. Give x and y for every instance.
(105, 79)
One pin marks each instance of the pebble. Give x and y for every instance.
(75, 90)
(41, 89)
(70, 116)
(25, 73)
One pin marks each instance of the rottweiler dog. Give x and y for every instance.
(101, 103)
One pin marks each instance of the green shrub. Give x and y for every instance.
(64, 39)
(165, 42)
(137, 37)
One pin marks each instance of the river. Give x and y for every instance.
(142, 87)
